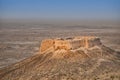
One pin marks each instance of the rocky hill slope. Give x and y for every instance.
(96, 63)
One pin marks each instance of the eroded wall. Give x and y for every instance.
(71, 44)
(62, 44)
(45, 44)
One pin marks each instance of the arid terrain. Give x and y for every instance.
(20, 41)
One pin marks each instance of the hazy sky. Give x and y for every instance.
(60, 9)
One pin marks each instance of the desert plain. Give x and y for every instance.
(22, 40)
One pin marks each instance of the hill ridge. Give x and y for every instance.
(75, 64)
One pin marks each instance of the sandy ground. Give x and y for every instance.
(18, 41)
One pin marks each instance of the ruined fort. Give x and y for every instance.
(69, 43)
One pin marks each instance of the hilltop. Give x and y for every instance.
(77, 58)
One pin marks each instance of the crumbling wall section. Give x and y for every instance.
(69, 44)
(95, 42)
(46, 44)
(62, 44)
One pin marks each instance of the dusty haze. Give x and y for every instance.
(20, 39)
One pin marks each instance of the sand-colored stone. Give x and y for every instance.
(70, 43)
(45, 44)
